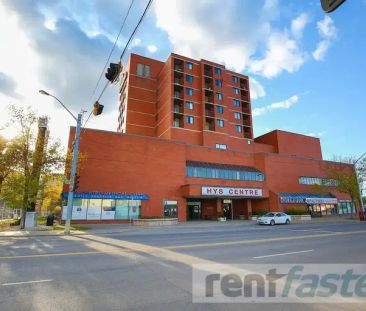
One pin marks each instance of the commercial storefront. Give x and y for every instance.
(96, 207)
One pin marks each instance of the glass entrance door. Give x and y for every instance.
(194, 210)
(227, 208)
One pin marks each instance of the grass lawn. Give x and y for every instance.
(72, 228)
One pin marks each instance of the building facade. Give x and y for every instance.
(185, 148)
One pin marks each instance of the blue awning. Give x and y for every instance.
(307, 198)
(108, 195)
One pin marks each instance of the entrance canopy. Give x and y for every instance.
(307, 198)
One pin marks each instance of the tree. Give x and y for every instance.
(8, 159)
(31, 166)
(344, 176)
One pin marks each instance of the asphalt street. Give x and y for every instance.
(151, 269)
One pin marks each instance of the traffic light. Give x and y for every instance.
(330, 5)
(76, 182)
(112, 72)
(97, 108)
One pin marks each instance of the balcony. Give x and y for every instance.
(178, 78)
(178, 120)
(210, 124)
(178, 65)
(245, 108)
(247, 133)
(208, 84)
(244, 84)
(208, 70)
(178, 92)
(209, 113)
(246, 122)
(178, 109)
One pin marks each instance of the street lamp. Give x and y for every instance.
(70, 197)
(359, 184)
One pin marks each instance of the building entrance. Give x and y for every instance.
(193, 210)
(227, 209)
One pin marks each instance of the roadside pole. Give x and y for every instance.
(75, 153)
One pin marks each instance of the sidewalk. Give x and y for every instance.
(120, 228)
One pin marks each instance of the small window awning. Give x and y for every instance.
(307, 198)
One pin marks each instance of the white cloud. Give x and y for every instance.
(327, 31)
(298, 25)
(283, 53)
(285, 104)
(152, 48)
(235, 36)
(319, 134)
(256, 89)
(326, 27)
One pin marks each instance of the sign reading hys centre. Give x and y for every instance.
(232, 192)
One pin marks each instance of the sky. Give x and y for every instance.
(306, 68)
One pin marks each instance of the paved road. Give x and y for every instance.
(150, 269)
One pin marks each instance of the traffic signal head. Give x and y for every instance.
(76, 182)
(97, 108)
(330, 5)
(112, 72)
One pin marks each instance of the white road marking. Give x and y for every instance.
(283, 254)
(27, 282)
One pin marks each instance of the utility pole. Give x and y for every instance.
(75, 154)
(359, 183)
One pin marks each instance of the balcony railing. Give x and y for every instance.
(178, 109)
(209, 113)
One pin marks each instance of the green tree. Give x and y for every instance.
(9, 158)
(29, 183)
(345, 177)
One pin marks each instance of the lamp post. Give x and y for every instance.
(70, 197)
(359, 183)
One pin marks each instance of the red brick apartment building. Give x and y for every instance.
(185, 148)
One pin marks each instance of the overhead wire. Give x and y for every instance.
(129, 41)
(112, 50)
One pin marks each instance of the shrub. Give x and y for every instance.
(259, 213)
(297, 211)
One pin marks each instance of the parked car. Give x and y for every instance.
(274, 219)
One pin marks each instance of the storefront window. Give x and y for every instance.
(128, 209)
(108, 209)
(79, 209)
(94, 209)
(346, 207)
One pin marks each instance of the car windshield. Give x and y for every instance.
(269, 215)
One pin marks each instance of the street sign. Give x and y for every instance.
(67, 181)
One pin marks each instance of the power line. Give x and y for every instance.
(126, 46)
(137, 26)
(114, 46)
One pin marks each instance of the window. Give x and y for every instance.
(218, 71)
(189, 91)
(219, 109)
(236, 115)
(189, 105)
(218, 173)
(236, 102)
(235, 79)
(236, 90)
(220, 123)
(189, 65)
(189, 78)
(218, 83)
(143, 70)
(219, 96)
(238, 128)
(317, 181)
(189, 119)
(221, 146)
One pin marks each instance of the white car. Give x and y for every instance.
(274, 219)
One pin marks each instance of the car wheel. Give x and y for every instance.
(272, 222)
(287, 221)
